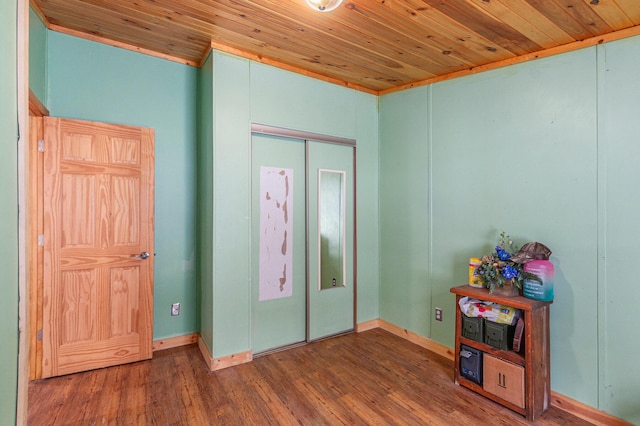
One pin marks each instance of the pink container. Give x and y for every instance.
(533, 289)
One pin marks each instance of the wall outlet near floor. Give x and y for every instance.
(438, 314)
(175, 309)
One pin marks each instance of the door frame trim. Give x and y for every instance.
(307, 137)
(34, 198)
(299, 134)
(24, 213)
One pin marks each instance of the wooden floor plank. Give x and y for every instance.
(367, 378)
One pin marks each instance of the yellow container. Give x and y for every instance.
(474, 262)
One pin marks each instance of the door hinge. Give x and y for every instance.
(41, 240)
(39, 335)
(41, 145)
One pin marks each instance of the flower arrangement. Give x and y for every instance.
(499, 268)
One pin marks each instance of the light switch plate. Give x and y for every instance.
(175, 309)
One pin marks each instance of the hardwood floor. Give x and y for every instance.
(370, 378)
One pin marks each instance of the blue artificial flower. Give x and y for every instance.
(509, 272)
(502, 253)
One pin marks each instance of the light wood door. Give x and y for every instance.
(98, 222)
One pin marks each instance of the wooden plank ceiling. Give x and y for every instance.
(372, 45)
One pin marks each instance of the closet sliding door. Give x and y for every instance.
(330, 212)
(302, 238)
(278, 246)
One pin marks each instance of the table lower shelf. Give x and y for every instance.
(510, 356)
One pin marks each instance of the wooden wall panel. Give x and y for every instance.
(126, 214)
(79, 313)
(124, 300)
(124, 151)
(78, 147)
(80, 203)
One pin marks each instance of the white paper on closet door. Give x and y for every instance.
(276, 232)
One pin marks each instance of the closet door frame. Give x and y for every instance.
(310, 137)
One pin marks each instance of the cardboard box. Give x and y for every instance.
(504, 379)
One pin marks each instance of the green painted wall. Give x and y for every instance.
(544, 151)
(367, 205)
(618, 291)
(405, 296)
(205, 259)
(231, 205)
(38, 35)
(92, 81)
(515, 149)
(285, 99)
(289, 100)
(9, 208)
(245, 92)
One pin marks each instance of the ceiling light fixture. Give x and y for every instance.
(323, 5)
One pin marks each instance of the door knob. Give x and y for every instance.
(143, 255)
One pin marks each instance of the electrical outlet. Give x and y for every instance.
(175, 309)
(438, 314)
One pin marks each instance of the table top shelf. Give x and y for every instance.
(518, 302)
